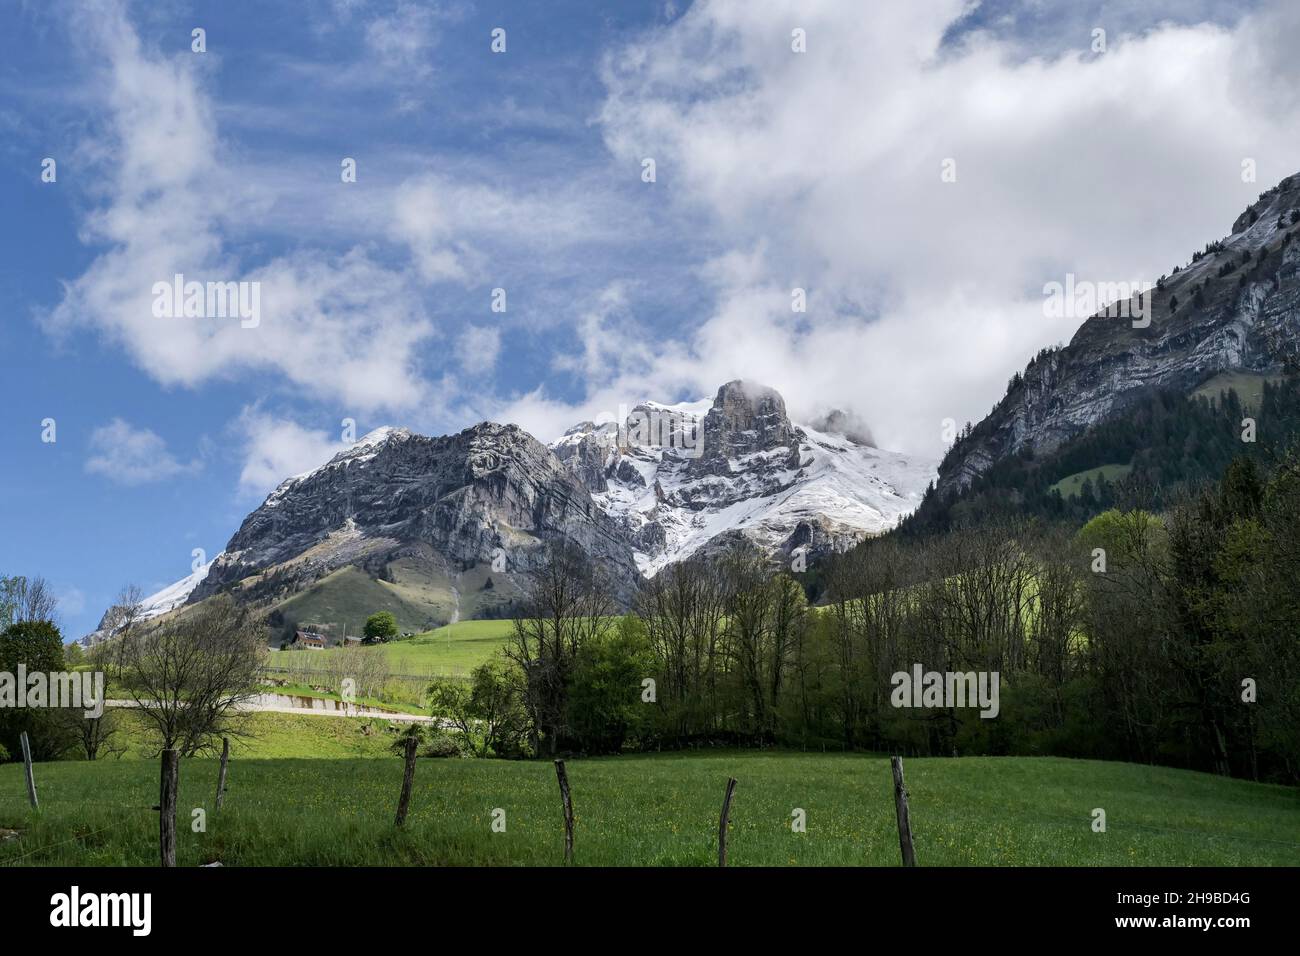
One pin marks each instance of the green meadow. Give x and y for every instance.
(451, 650)
(320, 791)
(1071, 485)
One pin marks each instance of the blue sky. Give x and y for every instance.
(523, 170)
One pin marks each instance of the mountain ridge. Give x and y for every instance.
(1233, 307)
(470, 512)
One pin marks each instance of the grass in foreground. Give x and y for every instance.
(655, 810)
(1249, 387)
(275, 735)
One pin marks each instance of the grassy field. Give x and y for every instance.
(650, 810)
(274, 735)
(1249, 387)
(419, 590)
(1070, 485)
(453, 650)
(349, 596)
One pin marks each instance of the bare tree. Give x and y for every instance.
(765, 615)
(127, 609)
(189, 675)
(366, 667)
(126, 612)
(26, 599)
(1055, 629)
(95, 736)
(682, 610)
(568, 603)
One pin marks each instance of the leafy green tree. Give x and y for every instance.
(381, 626)
(497, 691)
(38, 646)
(487, 711)
(605, 705)
(1124, 535)
(449, 700)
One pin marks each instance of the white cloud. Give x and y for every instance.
(133, 456)
(607, 334)
(334, 325)
(478, 349)
(818, 170)
(404, 38)
(277, 448)
(422, 220)
(822, 170)
(395, 54)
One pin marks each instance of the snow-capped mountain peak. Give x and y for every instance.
(737, 465)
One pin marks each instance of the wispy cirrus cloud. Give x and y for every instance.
(478, 349)
(350, 316)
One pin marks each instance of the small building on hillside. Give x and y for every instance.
(349, 641)
(307, 640)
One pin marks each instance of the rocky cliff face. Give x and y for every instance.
(692, 479)
(491, 494)
(1236, 307)
(746, 420)
(588, 454)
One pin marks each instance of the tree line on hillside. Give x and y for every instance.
(1165, 638)
(1174, 444)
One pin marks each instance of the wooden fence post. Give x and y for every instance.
(408, 777)
(221, 775)
(567, 800)
(27, 769)
(723, 820)
(904, 821)
(167, 806)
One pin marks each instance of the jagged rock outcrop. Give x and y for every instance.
(704, 477)
(589, 454)
(1236, 307)
(746, 419)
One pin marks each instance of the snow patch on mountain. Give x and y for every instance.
(822, 489)
(668, 482)
(174, 595)
(156, 604)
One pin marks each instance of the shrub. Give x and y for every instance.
(441, 743)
